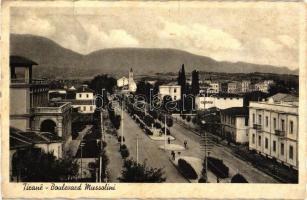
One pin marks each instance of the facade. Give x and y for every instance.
(214, 88)
(202, 102)
(263, 86)
(29, 106)
(274, 128)
(234, 124)
(170, 90)
(233, 87)
(85, 100)
(245, 86)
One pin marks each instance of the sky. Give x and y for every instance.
(267, 34)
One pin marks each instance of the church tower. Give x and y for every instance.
(130, 75)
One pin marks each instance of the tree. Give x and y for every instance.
(188, 118)
(238, 178)
(182, 83)
(134, 172)
(148, 120)
(195, 83)
(34, 165)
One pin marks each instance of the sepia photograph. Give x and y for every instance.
(162, 92)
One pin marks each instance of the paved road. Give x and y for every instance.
(149, 149)
(235, 164)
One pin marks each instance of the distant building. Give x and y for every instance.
(85, 100)
(234, 124)
(214, 88)
(233, 87)
(127, 84)
(274, 128)
(263, 86)
(173, 91)
(245, 86)
(202, 102)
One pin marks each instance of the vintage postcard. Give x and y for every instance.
(169, 99)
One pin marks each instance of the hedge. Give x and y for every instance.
(218, 167)
(187, 170)
(238, 178)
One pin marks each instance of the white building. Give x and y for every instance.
(214, 88)
(274, 128)
(170, 90)
(245, 86)
(234, 124)
(85, 100)
(127, 84)
(263, 86)
(202, 102)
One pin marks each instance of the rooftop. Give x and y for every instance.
(236, 111)
(282, 97)
(83, 89)
(19, 61)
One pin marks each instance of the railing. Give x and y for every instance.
(28, 81)
(257, 127)
(280, 133)
(60, 108)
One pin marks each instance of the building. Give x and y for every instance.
(29, 106)
(234, 124)
(263, 86)
(214, 88)
(245, 86)
(21, 141)
(274, 128)
(173, 91)
(127, 84)
(202, 102)
(85, 100)
(233, 87)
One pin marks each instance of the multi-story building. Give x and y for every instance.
(234, 124)
(233, 87)
(202, 102)
(85, 100)
(29, 106)
(214, 88)
(263, 86)
(174, 91)
(274, 128)
(245, 86)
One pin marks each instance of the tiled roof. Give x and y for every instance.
(235, 111)
(21, 61)
(84, 89)
(284, 97)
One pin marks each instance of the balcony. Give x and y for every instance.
(28, 81)
(280, 133)
(258, 127)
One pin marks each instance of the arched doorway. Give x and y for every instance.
(48, 126)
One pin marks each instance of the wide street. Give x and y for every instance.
(219, 151)
(149, 150)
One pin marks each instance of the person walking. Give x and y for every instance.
(185, 144)
(173, 155)
(168, 140)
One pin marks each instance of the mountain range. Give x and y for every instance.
(55, 61)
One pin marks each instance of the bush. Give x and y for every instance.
(218, 167)
(238, 178)
(124, 152)
(194, 120)
(188, 118)
(187, 169)
(157, 125)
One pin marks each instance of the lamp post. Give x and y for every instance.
(81, 147)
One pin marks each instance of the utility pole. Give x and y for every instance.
(137, 148)
(122, 126)
(81, 147)
(164, 132)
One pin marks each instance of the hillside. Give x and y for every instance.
(58, 62)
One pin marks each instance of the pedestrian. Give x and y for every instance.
(179, 153)
(185, 144)
(173, 155)
(168, 140)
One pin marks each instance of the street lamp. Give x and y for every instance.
(81, 147)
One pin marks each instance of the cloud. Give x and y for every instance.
(287, 41)
(269, 45)
(32, 24)
(98, 38)
(198, 36)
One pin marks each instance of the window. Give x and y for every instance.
(175, 90)
(266, 143)
(87, 95)
(291, 127)
(84, 108)
(80, 95)
(259, 140)
(291, 152)
(91, 108)
(266, 121)
(274, 123)
(274, 146)
(253, 139)
(282, 124)
(282, 149)
(246, 121)
(259, 119)
(175, 97)
(253, 118)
